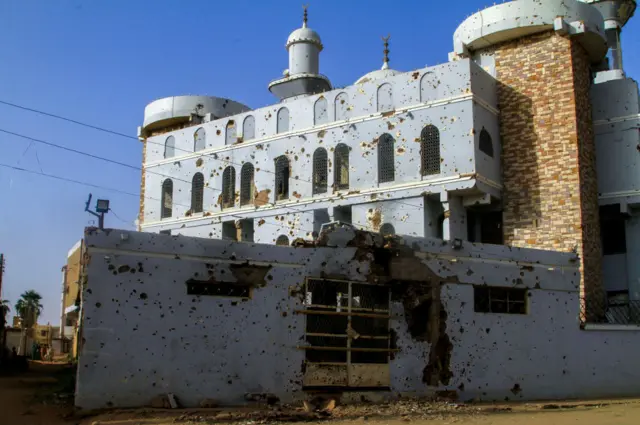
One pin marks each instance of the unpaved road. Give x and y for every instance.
(33, 399)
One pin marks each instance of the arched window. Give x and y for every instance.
(486, 144)
(282, 178)
(231, 133)
(170, 147)
(320, 172)
(282, 240)
(166, 199)
(197, 193)
(385, 98)
(249, 128)
(387, 229)
(430, 150)
(386, 165)
(246, 184)
(199, 140)
(283, 120)
(341, 167)
(320, 111)
(342, 108)
(228, 187)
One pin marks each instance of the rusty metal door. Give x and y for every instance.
(347, 334)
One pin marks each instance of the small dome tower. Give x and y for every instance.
(303, 76)
(616, 13)
(383, 72)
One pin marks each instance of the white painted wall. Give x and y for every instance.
(145, 336)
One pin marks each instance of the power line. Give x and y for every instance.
(95, 127)
(65, 179)
(37, 111)
(52, 176)
(54, 145)
(101, 158)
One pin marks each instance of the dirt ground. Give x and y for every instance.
(41, 396)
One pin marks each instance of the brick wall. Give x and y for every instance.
(142, 185)
(550, 190)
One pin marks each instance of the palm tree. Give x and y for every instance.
(29, 304)
(4, 310)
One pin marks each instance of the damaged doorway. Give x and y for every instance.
(347, 334)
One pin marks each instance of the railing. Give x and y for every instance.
(599, 310)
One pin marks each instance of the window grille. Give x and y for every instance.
(320, 172)
(282, 178)
(430, 150)
(495, 299)
(197, 193)
(386, 165)
(167, 199)
(246, 184)
(228, 187)
(282, 241)
(387, 229)
(341, 167)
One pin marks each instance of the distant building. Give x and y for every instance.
(524, 138)
(71, 286)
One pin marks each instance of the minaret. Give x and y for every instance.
(303, 76)
(616, 13)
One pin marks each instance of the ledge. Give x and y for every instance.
(520, 18)
(610, 327)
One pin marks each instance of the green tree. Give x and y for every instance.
(29, 301)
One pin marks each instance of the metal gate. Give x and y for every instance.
(347, 334)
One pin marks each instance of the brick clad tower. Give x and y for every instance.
(550, 195)
(541, 54)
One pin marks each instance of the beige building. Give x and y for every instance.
(71, 285)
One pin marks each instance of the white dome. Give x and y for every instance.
(304, 35)
(378, 74)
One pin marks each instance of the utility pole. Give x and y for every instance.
(1, 271)
(102, 207)
(3, 318)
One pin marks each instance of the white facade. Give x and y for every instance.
(457, 98)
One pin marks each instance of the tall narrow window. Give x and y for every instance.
(320, 111)
(320, 171)
(228, 187)
(231, 134)
(342, 108)
(199, 140)
(197, 193)
(386, 165)
(167, 199)
(249, 128)
(341, 167)
(283, 120)
(385, 98)
(486, 144)
(282, 240)
(282, 178)
(430, 150)
(246, 184)
(170, 147)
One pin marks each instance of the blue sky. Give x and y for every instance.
(102, 61)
